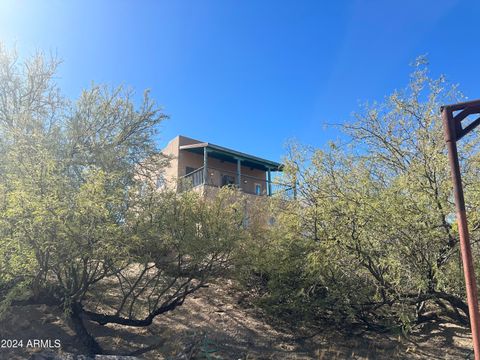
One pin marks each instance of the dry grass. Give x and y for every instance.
(212, 324)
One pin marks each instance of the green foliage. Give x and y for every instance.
(371, 236)
(79, 223)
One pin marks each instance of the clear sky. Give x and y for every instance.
(250, 74)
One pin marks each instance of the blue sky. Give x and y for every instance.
(250, 74)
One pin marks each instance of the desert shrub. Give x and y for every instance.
(371, 237)
(81, 227)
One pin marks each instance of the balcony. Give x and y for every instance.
(218, 178)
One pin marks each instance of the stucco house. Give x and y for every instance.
(202, 165)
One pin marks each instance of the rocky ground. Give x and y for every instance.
(216, 323)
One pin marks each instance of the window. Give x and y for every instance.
(228, 180)
(258, 189)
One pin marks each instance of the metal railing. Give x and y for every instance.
(191, 180)
(248, 184)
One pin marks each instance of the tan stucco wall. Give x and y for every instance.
(173, 171)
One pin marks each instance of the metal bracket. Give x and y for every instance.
(456, 131)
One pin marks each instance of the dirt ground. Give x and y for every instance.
(215, 324)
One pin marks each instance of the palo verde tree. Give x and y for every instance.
(372, 237)
(80, 227)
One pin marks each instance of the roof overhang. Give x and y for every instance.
(230, 155)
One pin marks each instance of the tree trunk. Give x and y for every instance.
(87, 340)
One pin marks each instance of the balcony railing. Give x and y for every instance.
(247, 184)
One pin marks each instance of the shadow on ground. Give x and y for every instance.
(212, 324)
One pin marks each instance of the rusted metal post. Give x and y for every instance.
(453, 133)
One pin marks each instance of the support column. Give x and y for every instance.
(269, 182)
(205, 165)
(451, 138)
(239, 173)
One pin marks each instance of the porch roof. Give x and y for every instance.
(230, 155)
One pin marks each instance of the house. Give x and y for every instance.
(203, 166)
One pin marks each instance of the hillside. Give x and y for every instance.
(219, 323)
